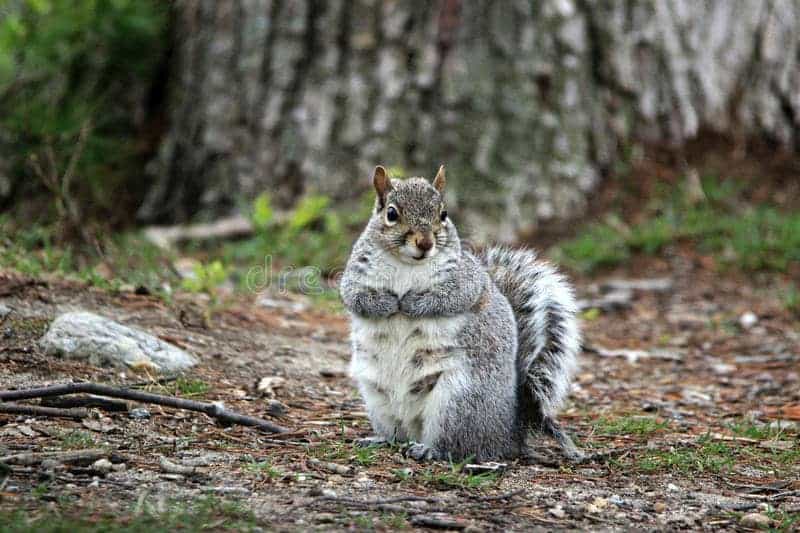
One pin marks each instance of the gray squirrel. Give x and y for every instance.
(461, 355)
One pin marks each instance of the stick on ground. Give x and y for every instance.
(35, 410)
(74, 456)
(213, 410)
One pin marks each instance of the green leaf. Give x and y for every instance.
(262, 211)
(309, 210)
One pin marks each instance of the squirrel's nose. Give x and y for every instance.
(424, 244)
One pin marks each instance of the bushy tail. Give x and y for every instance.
(548, 336)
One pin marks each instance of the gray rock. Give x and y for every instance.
(755, 521)
(139, 413)
(4, 311)
(276, 408)
(103, 465)
(101, 341)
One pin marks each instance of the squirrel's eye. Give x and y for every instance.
(443, 215)
(392, 215)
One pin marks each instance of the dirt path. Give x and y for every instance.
(684, 423)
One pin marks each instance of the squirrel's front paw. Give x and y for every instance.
(412, 303)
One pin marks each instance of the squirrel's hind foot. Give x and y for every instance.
(568, 450)
(423, 453)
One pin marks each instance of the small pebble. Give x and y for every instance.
(748, 320)
(660, 507)
(673, 487)
(558, 512)
(50, 464)
(139, 413)
(276, 408)
(103, 465)
(755, 520)
(592, 508)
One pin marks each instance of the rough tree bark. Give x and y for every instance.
(527, 102)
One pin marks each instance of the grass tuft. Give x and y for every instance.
(748, 237)
(629, 425)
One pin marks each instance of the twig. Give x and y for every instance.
(504, 496)
(770, 497)
(75, 456)
(107, 404)
(154, 381)
(35, 410)
(174, 468)
(213, 410)
(438, 522)
(371, 503)
(331, 467)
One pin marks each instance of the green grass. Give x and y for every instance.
(204, 514)
(791, 300)
(264, 468)
(784, 520)
(714, 456)
(76, 440)
(750, 237)
(454, 477)
(708, 457)
(342, 452)
(629, 425)
(751, 430)
(294, 254)
(380, 522)
(128, 258)
(190, 387)
(394, 521)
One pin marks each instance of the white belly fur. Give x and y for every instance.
(383, 354)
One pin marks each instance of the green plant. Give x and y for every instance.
(202, 514)
(207, 278)
(128, 257)
(784, 520)
(402, 474)
(598, 246)
(395, 521)
(749, 237)
(791, 300)
(456, 477)
(341, 451)
(751, 430)
(70, 72)
(629, 425)
(707, 456)
(190, 387)
(76, 439)
(40, 491)
(264, 468)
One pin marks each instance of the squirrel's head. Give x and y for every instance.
(410, 219)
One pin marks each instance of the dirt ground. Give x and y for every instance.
(689, 412)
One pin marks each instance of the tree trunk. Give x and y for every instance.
(527, 102)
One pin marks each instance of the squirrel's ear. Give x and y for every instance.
(439, 181)
(382, 183)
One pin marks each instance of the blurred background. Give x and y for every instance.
(601, 132)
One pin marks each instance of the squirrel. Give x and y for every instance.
(461, 355)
